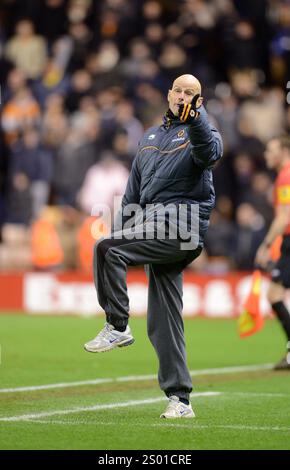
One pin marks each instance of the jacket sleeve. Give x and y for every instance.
(131, 196)
(206, 141)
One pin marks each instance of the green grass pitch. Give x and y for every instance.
(247, 409)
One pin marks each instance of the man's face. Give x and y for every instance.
(182, 92)
(273, 154)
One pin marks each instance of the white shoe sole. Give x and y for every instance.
(178, 417)
(122, 344)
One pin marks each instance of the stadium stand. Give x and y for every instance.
(82, 79)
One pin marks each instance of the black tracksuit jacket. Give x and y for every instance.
(174, 165)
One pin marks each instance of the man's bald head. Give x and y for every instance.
(184, 88)
(189, 81)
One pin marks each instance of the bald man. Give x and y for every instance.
(164, 217)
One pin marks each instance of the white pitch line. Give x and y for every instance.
(107, 406)
(192, 426)
(135, 378)
(238, 427)
(258, 394)
(232, 370)
(36, 416)
(33, 388)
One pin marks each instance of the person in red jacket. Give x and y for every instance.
(277, 156)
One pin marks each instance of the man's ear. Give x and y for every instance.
(199, 102)
(168, 95)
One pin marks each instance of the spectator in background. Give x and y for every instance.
(55, 123)
(243, 46)
(173, 60)
(102, 183)
(5, 64)
(54, 238)
(81, 37)
(150, 72)
(38, 164)
(53, 80)
(108, 58)
(154, 35)
(46, 249)
(265, 114)
(21, 110)
(114, 18)
(260, 195)
(220, 237)
(86, 116)
(150, 104)
(91, 230)
(30, 170)
(50, 16)
(279, 17)
(16, 81)
(121, 149)
(244, 169)
(73, 158)
(116, 58)
(139, 51)
(250, 231)
(107, 101)
(104, 68)
(127, 121)
(80, 86)
(224, 108)
(27, 50)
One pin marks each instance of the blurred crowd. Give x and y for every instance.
(82, 79)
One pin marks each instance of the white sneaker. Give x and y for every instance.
(109, 338)
(177, 409)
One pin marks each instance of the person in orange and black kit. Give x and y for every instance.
(277, 156)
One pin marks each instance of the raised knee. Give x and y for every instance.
(111, 255)
(102, 246)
